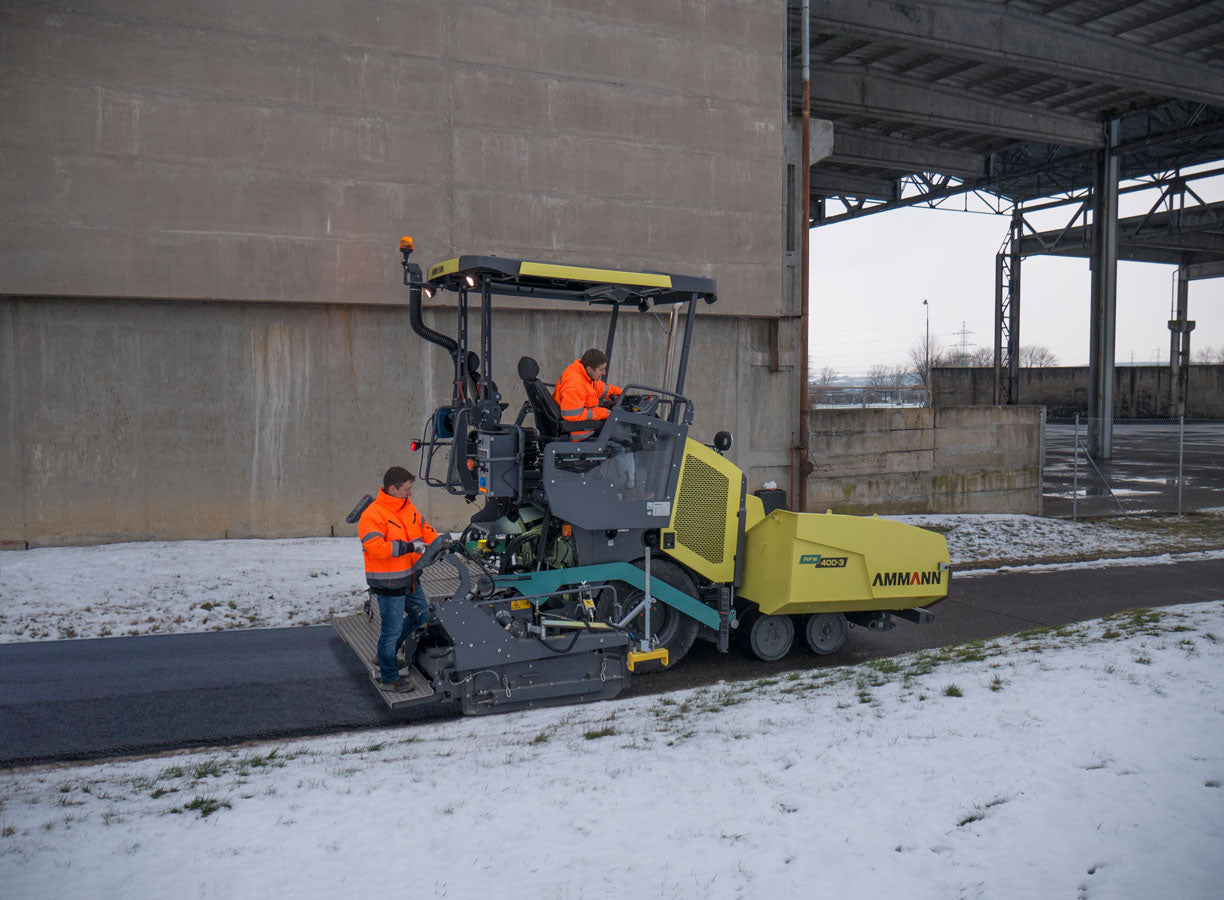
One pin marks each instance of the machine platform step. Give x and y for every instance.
(360, 632)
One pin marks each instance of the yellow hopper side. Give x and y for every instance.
(806, 563)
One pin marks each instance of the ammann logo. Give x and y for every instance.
(904, 579)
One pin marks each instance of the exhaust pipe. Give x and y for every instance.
(414, 281)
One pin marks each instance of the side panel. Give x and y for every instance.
(802, 563)
(705, 516)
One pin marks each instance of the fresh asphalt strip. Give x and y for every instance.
(123, 696)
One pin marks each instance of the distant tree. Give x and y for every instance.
(827, 376)
(1206, 356)
(879, 378)
(1037, 356)
(919, 353)
(981, 357)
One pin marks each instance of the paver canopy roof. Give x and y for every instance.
(554, 281)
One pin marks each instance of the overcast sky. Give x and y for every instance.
(870, 276)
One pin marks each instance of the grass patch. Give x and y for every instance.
(595, 734)
(210, 768)
(368, 748)
(887, 666)
(205, 806)
(952, 690)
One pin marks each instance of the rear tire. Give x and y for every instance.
(769, 638)
(675, 631)
(825, 633)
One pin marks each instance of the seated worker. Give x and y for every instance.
(583, 396)
(581, 392)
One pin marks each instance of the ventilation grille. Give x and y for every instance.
(701, 509)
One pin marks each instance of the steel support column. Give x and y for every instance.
(1179, 347)
(1104, 307)
(805, 400)
(1007, 316)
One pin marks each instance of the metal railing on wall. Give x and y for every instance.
(1156, 466)
(866, 395)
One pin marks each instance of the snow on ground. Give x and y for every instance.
(1083, 762)
(163, 587)
(978, 538)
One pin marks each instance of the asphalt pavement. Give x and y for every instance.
(110, 697)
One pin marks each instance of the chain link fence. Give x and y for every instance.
(1156, 466)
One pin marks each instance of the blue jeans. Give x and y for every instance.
(402, 614)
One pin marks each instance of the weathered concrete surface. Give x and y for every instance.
(272, 151)
(1140, 392)
(133, 420)
(926, 460)
(157, 157)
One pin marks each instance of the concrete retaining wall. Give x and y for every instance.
(926, 460)
(202, 325)
(1140, 392)
(276, 151)
(133, 420)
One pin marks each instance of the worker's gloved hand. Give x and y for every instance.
(416, 546)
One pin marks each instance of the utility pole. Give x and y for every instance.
(926, 307)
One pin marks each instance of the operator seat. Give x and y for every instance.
(549, 422)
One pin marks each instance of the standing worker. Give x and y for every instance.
(393, 535)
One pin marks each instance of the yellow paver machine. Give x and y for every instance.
(592, 559)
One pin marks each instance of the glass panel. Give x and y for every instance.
(622, 478)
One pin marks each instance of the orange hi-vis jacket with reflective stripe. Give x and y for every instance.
(386, 528)
(578, 396)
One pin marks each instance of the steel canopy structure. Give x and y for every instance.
(1015, 102)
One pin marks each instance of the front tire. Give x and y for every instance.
(674, 630)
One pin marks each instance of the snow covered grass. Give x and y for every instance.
(167, 587)
(1083, 761)
(990, 541)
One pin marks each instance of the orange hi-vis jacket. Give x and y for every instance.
(578, 396)
(386, 528)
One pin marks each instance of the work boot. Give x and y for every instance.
(401, 686)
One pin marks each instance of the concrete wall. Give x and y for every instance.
(275, 151)
(983, 459)
(1140, 392)
(201, 316)
(212, 420)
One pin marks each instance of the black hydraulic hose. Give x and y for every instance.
(559, 650)
(412, 278)
(449, 344)
(544, 529)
